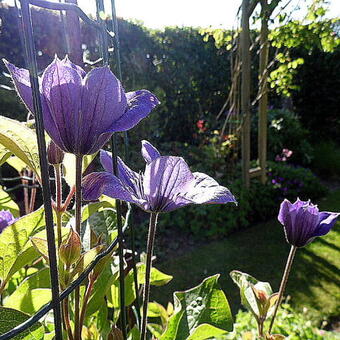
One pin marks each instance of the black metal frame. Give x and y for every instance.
(32, 66)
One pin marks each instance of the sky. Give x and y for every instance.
(197, 13)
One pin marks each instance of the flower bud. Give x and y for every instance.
(54, 154)
(69, 250)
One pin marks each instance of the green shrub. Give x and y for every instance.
(294, 181)
(285, 131)
(293, 324)
(326, 159)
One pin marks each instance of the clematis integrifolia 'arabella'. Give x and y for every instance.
(302, 222)
(6, 219)
(166, 185)
(81, 111)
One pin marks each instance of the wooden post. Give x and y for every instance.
(245, 92)
(263, 91)
(73, 36)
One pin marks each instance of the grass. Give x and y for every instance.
(262, 251)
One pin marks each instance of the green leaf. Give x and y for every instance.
(10, 318)
(13, 240)
(245, 283)
(201, 313)
(157, 278)
(206, 331)
(32, 293)
(100, 289)
(21, 141)
(85, 260)
(69, 167)
(130, 293)
(4, 154)
(6, 203)
(134, 334)
(16, 163)
(155, 329)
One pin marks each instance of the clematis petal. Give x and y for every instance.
(165, 179)
(80, 70)
(103, 102)
(62, 88)
(22, 83)
(207, 190)
(149, 152)
(98, 183)
(326, 222)
(140, 104)
(125, 174)
(6, 219)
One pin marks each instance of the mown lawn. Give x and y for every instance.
(261, 251)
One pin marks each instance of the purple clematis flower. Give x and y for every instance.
(6, 219)
(81, 111)
(166, 184)
(303, 221)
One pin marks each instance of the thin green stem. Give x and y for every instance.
(135, 273)
(67, 319)
(149, 251)
(283, 283)
(78, 197)
(58, 195)
(86, 300)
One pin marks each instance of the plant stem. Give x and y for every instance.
(67, 319)
(79, 161)
(85, 301)
(146, 292)
(283, 283)
(33, 194)
(58, 194)
(68, 198)
(135, 273)
(25, 183)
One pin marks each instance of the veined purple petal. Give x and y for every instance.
(125, 174)
(98, 183)
(103, 103)
(68, 62)
(207, 190)
(306, 221)
(284, 211)
(6, 219)
(166, 179)
(62, 90)
(149, 152)
(21, 79)
(140, 103)
(326, 222)
(303, 222)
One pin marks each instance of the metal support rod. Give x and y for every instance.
(120, 243)
(73, 36)
(32, 66)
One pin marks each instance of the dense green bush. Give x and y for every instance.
(285, 131)
(326, 159)
(289, 322)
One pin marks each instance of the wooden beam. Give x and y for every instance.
(263, 90)
(245, 91)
